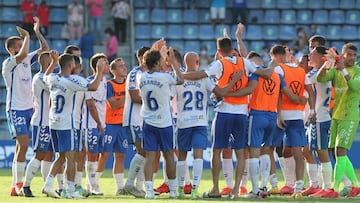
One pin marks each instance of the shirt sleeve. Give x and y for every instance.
(215, 69)
(9, 64)
(109, 90)
(250, 67)
(209, 85)
(330, 74)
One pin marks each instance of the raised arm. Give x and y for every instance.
(25, 46)
(240, 43)
(43, 44)
(54, 55)
(94, 84)
(176, 66)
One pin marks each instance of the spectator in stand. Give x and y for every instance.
(313, 30)
(301, 43)
(28, 8)
(239, 9)
(204, 58)
(75, 20)
(43, 13)
(95, 8)
(86, 45)
(218, 8)
(120, 13)
(111, 44)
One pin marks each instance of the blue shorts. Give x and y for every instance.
(156, 139)
(19, 122)
(135, 134)
(295, 133)
(278, 137)
(193, 137)
(229, 130)
(261, 128)
(318, 135)
(41, 138)
(115, 138)
(65, 140)
(94, 141)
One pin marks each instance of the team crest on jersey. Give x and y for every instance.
(269, 86)
(295, 87)
(237, 85)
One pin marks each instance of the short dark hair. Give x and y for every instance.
(71, 48)
(94, 59)
(252, 54)
(277, 49)
(141, 51)
(349, 46)
(77, 60)
(224, 44)
(321, 50)
(10, 42)
(319, 39)
(178, 55)
(65, 59)
(151, 58)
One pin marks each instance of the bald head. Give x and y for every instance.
(191, 60)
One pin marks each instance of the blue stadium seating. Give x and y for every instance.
(254, 4)
(254, 32)
(318, 4)
(337, 44)
(190, 16)
(2, 84)
(191, 31)
(270, 32)
(142, 16)
(58, 15)
(231, 32)
(192, 46)
(256, 15)
(2, 48)
(158, 15)
(357, 4)
(350, 32)
(331, 4)
(142, 31)
(59, 3)
(140, 43)
(158, 31)
(321, 30)
(203, 4)
(288, 17)
(210, 45)
(320, 17)
(287, 32)
(256, 46)
(304, 17)
(204, 16)
(219, 30)
(352, 17)
(174, 16)
(58, 45)
(206, 32)
(179, 44)
(333, 32)
(8, 30)
(10, 14)
(347, 4)
(228, 17)
(174, 32)
(141, 3)
(300, 4)
(284, 4)
(268, 4)
(11, 2)
(272, 16)
(55, 31)
(174, 3)
(337, 16)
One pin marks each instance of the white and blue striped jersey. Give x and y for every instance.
(322, 92)
(17, 79)
(62, 96)
(79, 105)
(155, 95)
(131, 115)
(99, 98)
(192, 98)
(41, 99)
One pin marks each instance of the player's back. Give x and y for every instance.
(41, 96)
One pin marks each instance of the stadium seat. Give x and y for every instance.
(55, 31)
(284, 4)
(203, 4)
(58, 15)
(204, 16)
(304, 17)
(206, 32)
(190, 16)
(336, 16)
(58, 45)
(178, 44)
(211, 46)
(254, 32)
(270, 32)
(256, 46)
(140, 43)
(256, 16)
(357, 4)
(191, 46)
(11, 2)
(142, 16)
(61, 3)
(10, 14)
(229, 18)
(2, 48)
(140, 3)
(253, 4)
(8, 30)
(320, 17)
(350, 32)
(315, 4)
(334, 32)
(331, 4)
(174, 3)
(219, 30)
(2, 85)
(288, 17)
(174, 16)
(174, 32)
(142, 32)
(191, 31)
(352, 17)
(287, 32)
(268, 4)
(347, 4)
(158, 32)
(158, 15)
(337, 44)
(300, 4)
(321, 29)
(34, 45)
(271, 17)
(231, 32)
